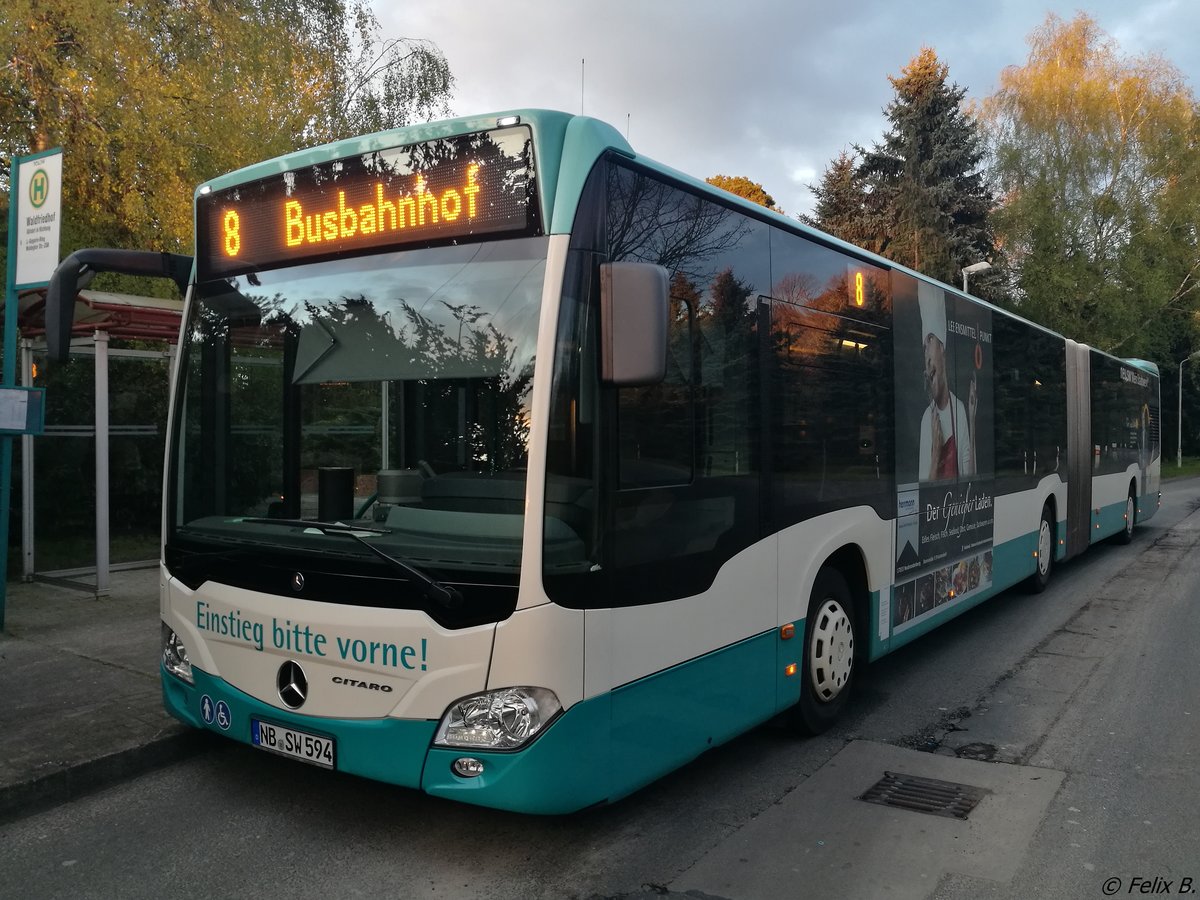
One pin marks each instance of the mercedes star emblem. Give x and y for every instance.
(293, 686)
(298, 582)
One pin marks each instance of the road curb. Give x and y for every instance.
(38, 794)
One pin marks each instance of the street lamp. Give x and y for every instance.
(972, 269)
(1179, 416)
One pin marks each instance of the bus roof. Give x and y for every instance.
(566, 147)
(1144, 365)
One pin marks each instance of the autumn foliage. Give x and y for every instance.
(150, 99)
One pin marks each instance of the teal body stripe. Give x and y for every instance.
(609, 746)
(1108, 521)
(598, 750)
(1147, 506)
(566, 768)
(389, 750)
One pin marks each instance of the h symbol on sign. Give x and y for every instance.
(39, 187)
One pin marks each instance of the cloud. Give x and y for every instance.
(762, 89)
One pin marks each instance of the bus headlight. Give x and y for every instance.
(174, 655)
(497, 720)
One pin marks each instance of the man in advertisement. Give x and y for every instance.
(947, 426)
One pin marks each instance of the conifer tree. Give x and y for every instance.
(927, 204)
(842, 203)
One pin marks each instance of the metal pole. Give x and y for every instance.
(172, 363)
(385, 426)
(102, 532)
(1179, 414)
(964, 281)
(9, 374)
(27, 497)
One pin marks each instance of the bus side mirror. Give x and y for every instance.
(633, 323)
(81, 265)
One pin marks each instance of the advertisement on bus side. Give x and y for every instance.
(945, 468)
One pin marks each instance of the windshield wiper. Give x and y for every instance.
(323, 527)
(432, 589)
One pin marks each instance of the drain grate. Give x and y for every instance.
(927, 795)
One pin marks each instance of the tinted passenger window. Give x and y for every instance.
(655, 426)
(831, 381)
(1031, 411)
(689, 449)
(1123, 416)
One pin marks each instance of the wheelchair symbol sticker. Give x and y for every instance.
(224, 719)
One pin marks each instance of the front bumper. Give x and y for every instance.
(562, 770)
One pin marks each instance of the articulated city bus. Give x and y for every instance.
(510, 466)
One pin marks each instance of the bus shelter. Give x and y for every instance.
(99, 462)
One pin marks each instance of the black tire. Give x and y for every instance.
(1125, 535)
(1045, 553)
(830, 639)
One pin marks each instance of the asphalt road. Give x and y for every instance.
(1098, 678)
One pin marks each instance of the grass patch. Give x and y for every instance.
(1191, 467)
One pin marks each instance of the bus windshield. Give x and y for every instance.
(390, 390)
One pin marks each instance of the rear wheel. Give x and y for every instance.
(829, 651)
(1125, 535)
(1045, 552)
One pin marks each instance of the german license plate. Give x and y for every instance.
(297, 744)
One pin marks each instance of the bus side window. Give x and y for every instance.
(830, 428)
(1014, 377)
(831, 395)
(688, 450)
(655, 424)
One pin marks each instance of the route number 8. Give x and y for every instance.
(233, 233)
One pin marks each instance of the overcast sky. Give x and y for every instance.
(769, 90)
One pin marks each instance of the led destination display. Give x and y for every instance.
(439, 191)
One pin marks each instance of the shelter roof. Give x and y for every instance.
(121, 315)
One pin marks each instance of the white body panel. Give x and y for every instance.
(759, 589)
(424, 666)
(1019, 514)
(804, 547)
(628, 643)
(1111, 489)
(541, 647)
(532, 593)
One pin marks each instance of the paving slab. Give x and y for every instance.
(822, 841)
(80, 699)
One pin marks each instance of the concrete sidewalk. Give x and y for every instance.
(80, 700)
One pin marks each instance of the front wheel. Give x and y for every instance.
(1045, 552)
(829, 651)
